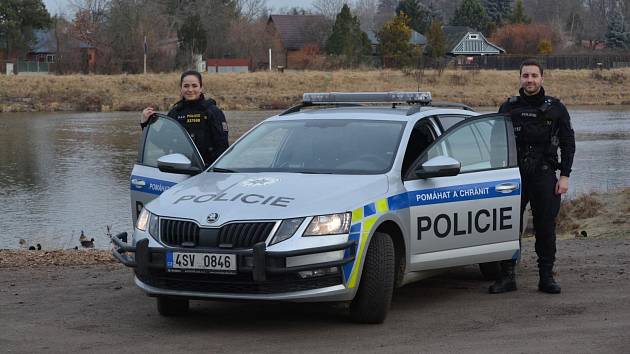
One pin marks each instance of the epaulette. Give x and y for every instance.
(178, 105)
(513, 99)
(208, 102)
(548, 102)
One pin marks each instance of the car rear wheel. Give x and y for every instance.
(374, 296)
(490, 270)
(172, 306)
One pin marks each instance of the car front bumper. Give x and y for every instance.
(262, 274)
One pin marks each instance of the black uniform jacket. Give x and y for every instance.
(558, 113)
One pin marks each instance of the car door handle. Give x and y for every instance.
(506, 187)
(138, 182)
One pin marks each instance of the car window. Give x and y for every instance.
(420, 138)
(478, 145)
(335, 146)
(447, 121)
(164, 136)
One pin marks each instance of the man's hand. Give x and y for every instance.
(562, 186)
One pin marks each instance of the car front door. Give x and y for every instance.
(163, 136)
(473, 216)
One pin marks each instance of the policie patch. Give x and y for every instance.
(225, 126)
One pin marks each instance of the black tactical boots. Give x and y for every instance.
(507, 278)
(547, 284)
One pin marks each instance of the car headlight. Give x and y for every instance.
(143, 220)
(148, 220)
(287, 228)
(332, 224)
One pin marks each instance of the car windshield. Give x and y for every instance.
(330, 146)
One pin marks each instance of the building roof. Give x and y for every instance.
(45, 42)
(291, 28)
(416, 38)
(461, 40)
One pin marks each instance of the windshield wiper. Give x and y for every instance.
(314, 172)
(222, 170)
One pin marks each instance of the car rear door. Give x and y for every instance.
(474, 216)
(163, 136)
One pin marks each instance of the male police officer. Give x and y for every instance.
(541, 125)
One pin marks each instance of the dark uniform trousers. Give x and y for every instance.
(540, 192)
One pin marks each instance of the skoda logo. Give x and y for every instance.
(212, 217)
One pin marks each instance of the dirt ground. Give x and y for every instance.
(96, 308)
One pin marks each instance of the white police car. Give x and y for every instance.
(328, 201)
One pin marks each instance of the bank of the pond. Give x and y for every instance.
(596, 215)
(274, 90)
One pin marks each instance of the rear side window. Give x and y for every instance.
(447, 121)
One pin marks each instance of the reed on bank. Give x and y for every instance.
(275, 90)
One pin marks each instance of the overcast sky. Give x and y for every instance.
(55, 6)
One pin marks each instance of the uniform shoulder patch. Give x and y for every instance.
(225, 126)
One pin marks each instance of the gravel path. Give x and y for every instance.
(96, 308)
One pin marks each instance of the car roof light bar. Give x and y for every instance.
(367, 97)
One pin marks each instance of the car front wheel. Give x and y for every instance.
(374, 296)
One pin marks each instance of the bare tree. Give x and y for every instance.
(366, 10)
(329, 8)
(250, 10)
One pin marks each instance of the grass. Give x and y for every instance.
(595, 214)
(273, 90)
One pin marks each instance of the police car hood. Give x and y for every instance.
(270, 196)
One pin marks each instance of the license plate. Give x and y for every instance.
(201, 262)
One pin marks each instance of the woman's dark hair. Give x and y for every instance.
(193, 73)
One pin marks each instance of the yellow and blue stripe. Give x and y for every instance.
(364, 218)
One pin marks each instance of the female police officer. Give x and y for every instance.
(203, 120)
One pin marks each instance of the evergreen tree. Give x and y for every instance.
(471, 14)
(420, 15)
(394, 43)
(617, 37)
(347, 39)
(436, 41)
(518, 15)
(498, 10)
(18, 19)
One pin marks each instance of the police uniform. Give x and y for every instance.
(541, 126)
(205, 123)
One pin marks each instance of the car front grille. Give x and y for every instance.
(184, 233)
(244, 235)
(179, 232)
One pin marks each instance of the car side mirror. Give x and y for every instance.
(439, 166)
(177, 163)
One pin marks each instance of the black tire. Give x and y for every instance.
(374, 296)
(490, 271)
(172, 306)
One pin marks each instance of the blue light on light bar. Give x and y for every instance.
(367, 97)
